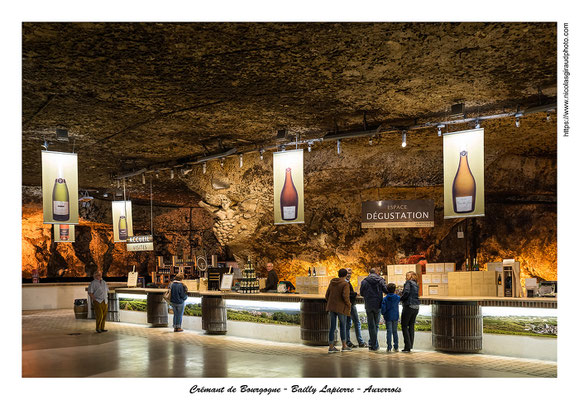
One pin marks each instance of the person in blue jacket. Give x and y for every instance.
(390, 312)
(178, 297)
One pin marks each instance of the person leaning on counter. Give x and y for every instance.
(272, 280)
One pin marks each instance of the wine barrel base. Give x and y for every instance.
(157, 311)
(457, 327)
(213, 315)
(314, 323)
(81, 311)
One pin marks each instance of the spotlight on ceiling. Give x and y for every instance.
(404, 139)
(548, 116)
(477, 124)
(185, 171)
(518, 116)
(172, 174)
(370, 141)
(222, 161)
(261, 151)
(204, 167)
(440, 126)
(240, 160)
(143, 176)
(338, 147)
(310, 147)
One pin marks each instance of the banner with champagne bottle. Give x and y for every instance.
(122, 220)
(288, 187)
(464, 174)
(63, 233)
(59, 187)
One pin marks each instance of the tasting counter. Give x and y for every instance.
(456, 321)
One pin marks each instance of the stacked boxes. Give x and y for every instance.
(312, 284)
(472, 283)
(397, 273)
(435, 281)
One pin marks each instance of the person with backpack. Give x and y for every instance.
(371, 289)
(178, 297)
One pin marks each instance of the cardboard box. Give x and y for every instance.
(430, 268)
(400, 280)
(490, 290)
(192, 284)
(399, 269)
(440, 268)
(300, 280)
(443, 290)
(477, 277)
(477, 290)
(495, 266)
(436, 279)
(426, 279)
(390, 270)
(444, 278)
(452, 290)
(490, 277)
(203, 284)
(433, 290)
(449, 267)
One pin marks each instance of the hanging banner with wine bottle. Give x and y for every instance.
(63, 233)
(288, 187)
(122, 220)
(464, 174)
(59, 187)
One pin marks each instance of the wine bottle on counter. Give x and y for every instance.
(289, 198)
(64, 232)
(60, 199)
(314, 273)
(463, 187)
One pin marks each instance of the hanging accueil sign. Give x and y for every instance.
(288, 187)
(59, 187)
(122, 220)
(63, 232)
(464, 174)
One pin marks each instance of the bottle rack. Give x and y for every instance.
(248, 283)
(165, 273)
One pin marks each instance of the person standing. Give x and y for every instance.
(98, 291)
(338, 305)
(371, 289)
(178, 297)
(390, 312)
(410, 307)
(353, 318)
(272, 280)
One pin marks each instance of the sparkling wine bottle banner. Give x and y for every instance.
(288, 187)
(464, 174)
(122, 220)
(60, 188)
(63, 233)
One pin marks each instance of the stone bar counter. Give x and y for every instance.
(456, 321)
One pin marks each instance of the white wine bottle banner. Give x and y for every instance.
(464, 174)
(288, 187)
(122, 220)
(59, 188)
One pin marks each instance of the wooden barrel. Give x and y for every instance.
(213, 315)
(80, 309)
(457, 326)
(157, 311)
(314, 322)
(113, 311)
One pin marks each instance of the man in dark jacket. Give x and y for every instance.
(272, 280)
(178, 297)
(353, 318)
(338, 304)
(371, 289)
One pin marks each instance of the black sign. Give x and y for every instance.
(398, 214)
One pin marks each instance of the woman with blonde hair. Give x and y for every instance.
(410, 308)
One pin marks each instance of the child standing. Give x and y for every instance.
(391, 315)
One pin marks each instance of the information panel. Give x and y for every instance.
(59, 188)
(288, 187)
(398, 214)
(464, 174)
(122, 220)
(63, 232)
(140, 243)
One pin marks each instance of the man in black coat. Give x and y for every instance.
(272, 280)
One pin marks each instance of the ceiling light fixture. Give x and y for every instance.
(261, 151)
(143, 176)
(240, 160)
(370, 141)
(403, 138)
(440, 126)
(222, 161)
(172, 174)
(310, 147)
(548, 116)
(282, 147)
(204, 167)
(477, 124)
(338, 148)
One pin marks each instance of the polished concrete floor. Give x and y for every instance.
(55, 344)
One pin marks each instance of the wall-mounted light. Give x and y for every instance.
(261, 151)
(440, 126)
(477, 124)
(518, 119)
(156, 174)
(338, 147)
(222, 161)
(404, 139)
(143, 176)
(370, 141)
(240, 160)
(282, 147)
(172, 174)
(309, 147)
(205, 167)
(548, 116)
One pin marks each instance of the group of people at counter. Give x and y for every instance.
(341, 305)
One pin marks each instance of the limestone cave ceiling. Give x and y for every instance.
(133, 95)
